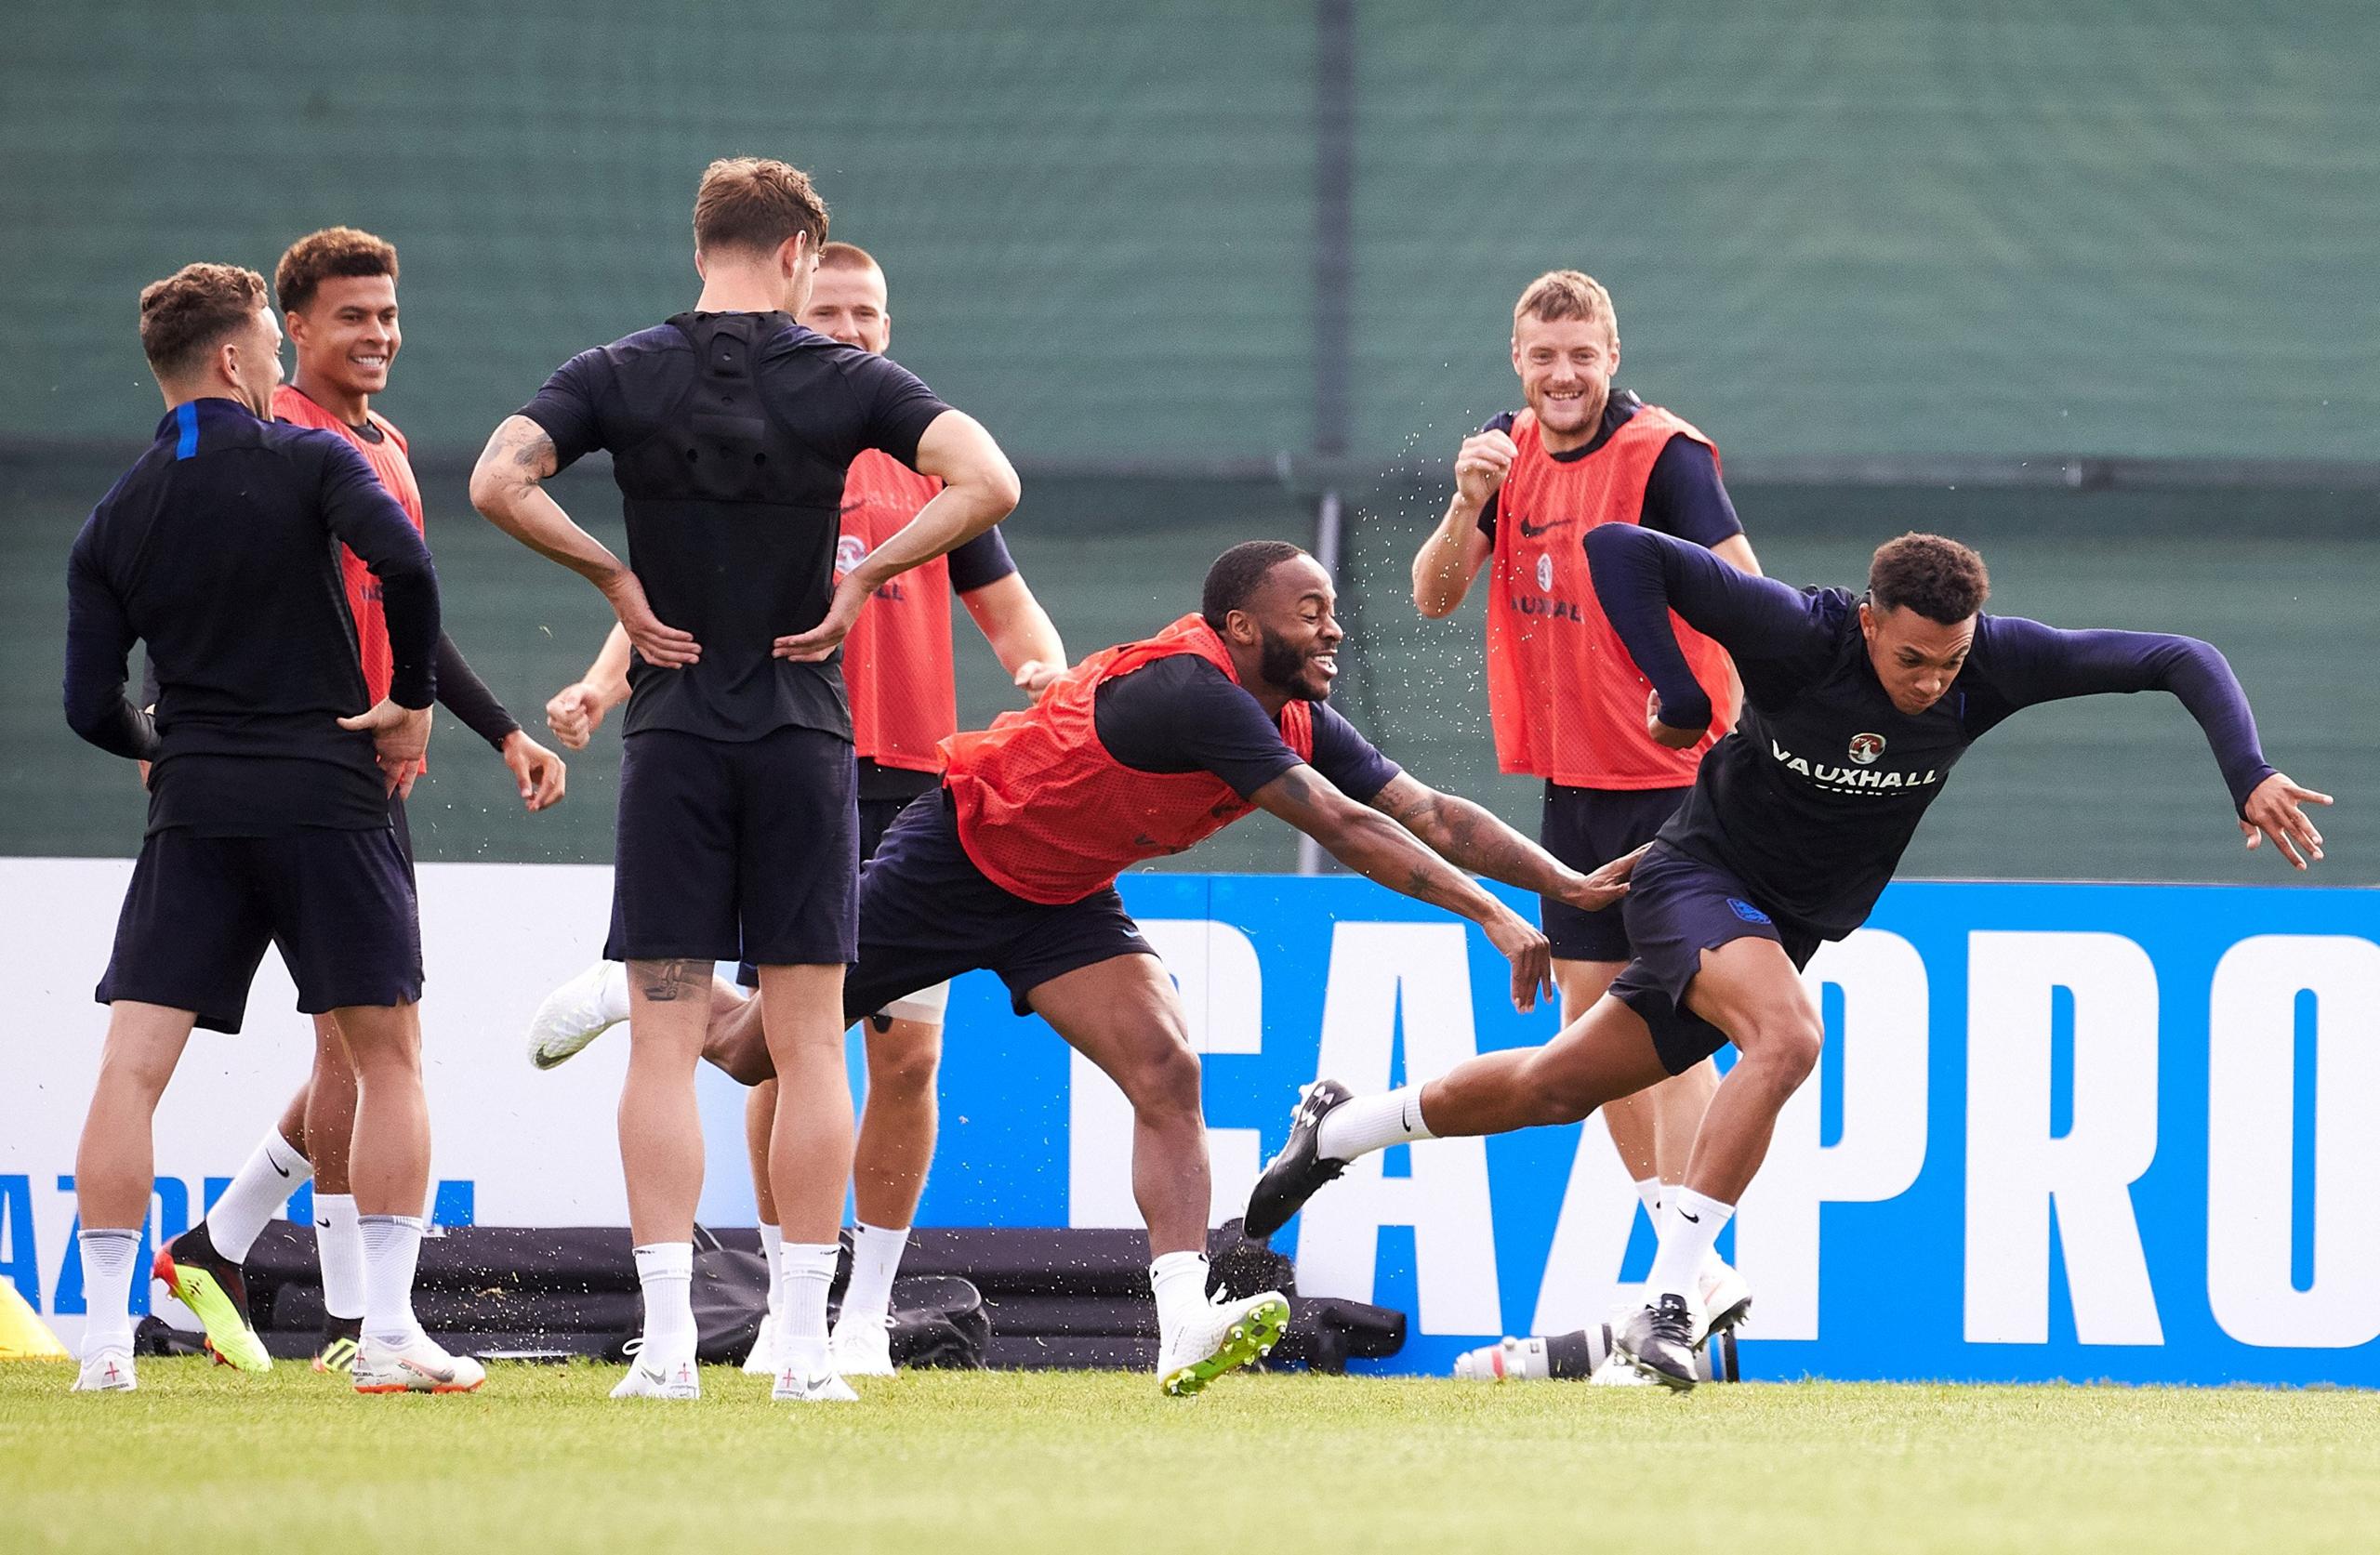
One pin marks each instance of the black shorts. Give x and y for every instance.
(1678, 907)
(926, 912)
(1587, 828)
(730, 849)
(339, 905)
(876, 817)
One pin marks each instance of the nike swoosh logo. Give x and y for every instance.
(1692, 1219)
(1531, 531)
(278, 1166)
(434, 1376)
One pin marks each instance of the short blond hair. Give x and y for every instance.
(846, 256)
(190, 312)
(756, 204)
(1566, 294)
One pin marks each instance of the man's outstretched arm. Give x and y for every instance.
(1023, 637)
(1374, 846)
(1470, 836)
(2029, 663)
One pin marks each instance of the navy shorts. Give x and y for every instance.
(736, 847)
(1677, 907)
(339, 905)
(1587, 828)
(926, 912)
(876, 817)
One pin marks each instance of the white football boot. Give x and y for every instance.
(862, 1347)
(106, 1371)
(1613, 1372)
(420, 1365)
(660, 1374)
(1722, 1296)
(799, 1385)
(762, 1361)
(578, 1012)
(1224, 1337)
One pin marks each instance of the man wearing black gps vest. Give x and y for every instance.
(1855, 709)
(730, 430)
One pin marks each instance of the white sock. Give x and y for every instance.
(1179, 1281)
(666, 1270)
(1689, 1224)
(801, 1332)
(108, 1259)
(338, 1246)
(1370, 1122)
(611, 993)
(773, 1249)
(273, 1171)
(875, 1258)
(1649, 1189)
(391, 1249)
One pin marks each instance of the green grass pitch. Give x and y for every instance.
(540, 1459)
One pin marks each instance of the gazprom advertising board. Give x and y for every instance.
(2059, 1131)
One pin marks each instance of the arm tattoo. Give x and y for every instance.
(533, 452)
(668, 982)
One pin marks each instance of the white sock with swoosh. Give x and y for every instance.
(1368, 1123)
(1689, 1224)
(274, 1170)
(339, 1245)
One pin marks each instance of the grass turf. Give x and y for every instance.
(542, 1460)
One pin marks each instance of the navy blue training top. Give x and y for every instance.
(1815, 796)
(1182, 715)
(730, 435)
(1682, 496)
(219, 548)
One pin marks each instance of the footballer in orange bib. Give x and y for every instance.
(1568, 704)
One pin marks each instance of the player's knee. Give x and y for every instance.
(1166, 1076)
(1552, 1095)
(904, 1070)
(1787, 1046)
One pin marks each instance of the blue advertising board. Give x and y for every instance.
(2061, 1131)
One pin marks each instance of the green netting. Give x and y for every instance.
(2104, 226)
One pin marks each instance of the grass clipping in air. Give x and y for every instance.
(948, 1462)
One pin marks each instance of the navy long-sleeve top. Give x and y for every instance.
(220, 549)
(1814, 797)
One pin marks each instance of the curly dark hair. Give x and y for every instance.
(1940, 579)
(189, 311)
(1236, 573)
(320, 256)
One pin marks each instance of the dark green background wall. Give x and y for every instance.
(2110, 225)
(1887, 254)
